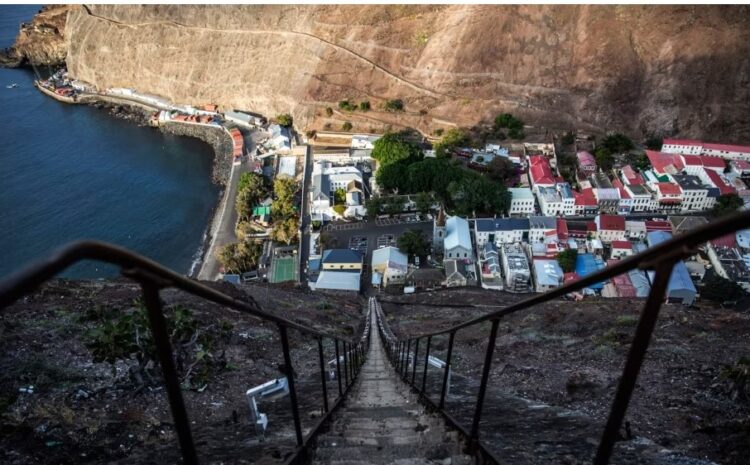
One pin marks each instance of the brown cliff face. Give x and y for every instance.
(40, 42)
(640, 69)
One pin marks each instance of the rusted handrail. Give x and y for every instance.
(661, 259)
(153, 278)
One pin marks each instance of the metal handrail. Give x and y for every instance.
(403, 352)
(154, 277)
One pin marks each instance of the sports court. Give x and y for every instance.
(283, 269)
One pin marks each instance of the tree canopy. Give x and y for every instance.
(394, 105)
(501, 169)
(604, 158)
(567, 260)
(285, 190)
(285, 119)
(239, 257)
(423, 201)
(413, 242)
(718, 289)
(394, 147)
(286, 230)
(473, 195)
(617, 143)
(727, 204)
(252, 188)
(451, 139)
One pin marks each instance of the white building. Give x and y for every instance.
(360, 141)
(695, 194)
(726, 151)
(568, 198)
(501, 231)
(521, 201)
(682, 146)
(391, 263)
(326, 179)
(542, 229)
(640, 197)
(547, 275)
(457, 243)
(550, 202)
(515, 268)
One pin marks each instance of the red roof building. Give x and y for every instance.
(729, 241)
(611, 223)
(665, 163)
(728, 148)
(562, 229)
(623, 245)
(742, 166)
(717, 181)
(684, 142)
(658, 225)
(630, 176)
(540, 171)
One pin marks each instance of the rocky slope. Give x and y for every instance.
(40, 42)
(667, 69)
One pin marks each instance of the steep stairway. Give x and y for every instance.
(381, 423)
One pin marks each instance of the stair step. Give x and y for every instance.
(381, 455)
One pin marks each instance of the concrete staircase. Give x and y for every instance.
(381, 422)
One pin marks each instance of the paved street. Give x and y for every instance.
(304, 225)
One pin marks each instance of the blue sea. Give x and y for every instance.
(75, 172)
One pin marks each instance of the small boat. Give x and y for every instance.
(11, 86)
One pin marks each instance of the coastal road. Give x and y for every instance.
(225, 220)
(305, 223)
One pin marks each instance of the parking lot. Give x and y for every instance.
(358, 243)
(370, 236)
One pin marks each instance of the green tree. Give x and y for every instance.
(640, 161)
(501, 169)
(567, 260)
(364, 106)
(452, 139)
(286, 231)
(604, 158)
(423, 202)
(516, 134)
(340, 209)
(413, 242)
(339, 196)
(653, 143)
(718, 289)
(394, 205)
(285, 119)
(568, 138)
(345, 105)
(438, 132)
(374, 205)
(347, 126)
(285, 189)
(394, 147)
(239, 257)
(393, 177)
(617, 143)
(726, 204)
(329, 111)
(394, 105)
(473, 195)
(503, 120)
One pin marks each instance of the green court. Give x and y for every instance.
(283, 269)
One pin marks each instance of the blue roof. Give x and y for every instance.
(679, 280)
(502, 224)
(457, 233)
(342, 256)
(314, 264)
(587, 264)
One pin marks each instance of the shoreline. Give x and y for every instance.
(222, 166)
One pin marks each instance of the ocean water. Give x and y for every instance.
(74, 172)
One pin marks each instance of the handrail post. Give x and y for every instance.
(474, 436)
(414, 367)
(323, 374)
(346, 367)
(171, 380)
(399, 356)
(426, 359)
(446, 374)
(405, 366)
(290, 381)
(338, 368)
(633, 364)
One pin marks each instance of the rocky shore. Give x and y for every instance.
(216, 137)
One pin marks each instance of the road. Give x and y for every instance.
(305, 223)
(225, 219)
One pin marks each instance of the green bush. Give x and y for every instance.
(364, 106)
(345, 105)
(340, 209)
(285, 119)
(394, 105)
(329, 111)
(347, 126)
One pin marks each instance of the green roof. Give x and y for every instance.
(260, 211)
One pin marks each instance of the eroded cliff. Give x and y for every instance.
(665, 69)
(40, 42)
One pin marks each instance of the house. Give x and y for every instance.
(680, 287)
(727, 260)
(694, 164)
(610, 227)
(501, 230)
(607, 196)
(562, 229)
(568, 198)
(587, 264)
(547, 275)
(320, 197)
(685, 224)
(641, 197)
(540, 172)
(521, 201)
(515, 268)
(391, 263)
(619, 286)
(550, 202)
(242, 118)
(695, 195)
(682, 146)
(621, 249)
(635, 229)
(586, 163)
(341, 259)
(489, 267)
(580, 229)
(337, 281)
(586, 203)
(280, 137)
(326, 180)
(741, 167)
(459, 272)
(657, 225)
(425, 278)
(457, 243)
(665, 163)
(625, 204)
(668, 196)
(542, 229)
(630, 177)
(718, 181)
(438, 229)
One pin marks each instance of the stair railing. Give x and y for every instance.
(661, 259)
(153, 278)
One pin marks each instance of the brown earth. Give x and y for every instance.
(568, 356)
(681, 70)
(40, 42)
(82, 411)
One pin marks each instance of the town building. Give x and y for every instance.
(326, 180)
(625, 204)
(728, 262)
(621, 249)
(457, 243)
(586, 163)
(280, 137)
(680, 287)
(682, 146)
(718, 181)
(588, 264)
(347, 281)
(547, 275)
(727, 151)
(542, 229)
(521, 201)
(360, 141)
(668, 196)
(685, 224)
(630, 177)
(695, 164)
(550, 202)
(438, 230)
(391, 264)
(341, 259)
(568, 198)
(641, 197)
(501, 231)
(636, 229)
(515, 268)
(540, 172)
(610, 228)
(425, 278)
(459, 272)
(489, 267)
(586, 203)
(695, 195)
(665, 163)
(607, 195)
